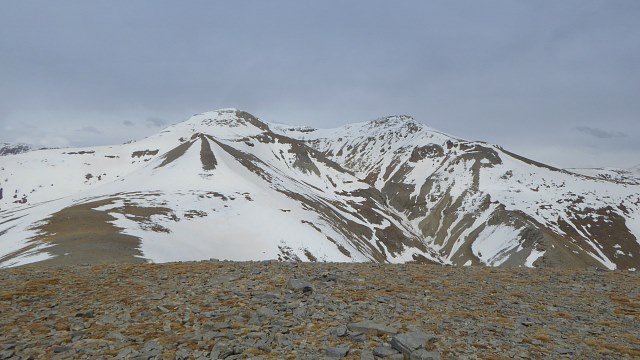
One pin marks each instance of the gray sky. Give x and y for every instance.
(554, 80)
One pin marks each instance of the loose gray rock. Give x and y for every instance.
(267, 312)
(422, 354)
(61, 349)
(264, 344)
(216, 335)
(338, 331)
(221, 350)
(366, 355)
(564, 351)
(76, 325)
(384, 351)
(300, 285)
(338, 352)
(358, 337)
(86, 314)
(255, 316)
(300, 313)
(107, 319)
(126, 352)
(408, 342)
(269, 296)
(159, 296)
(152, 348)
(117, 336)
(182, 354)
(372, 328)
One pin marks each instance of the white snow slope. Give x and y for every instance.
(225, 185)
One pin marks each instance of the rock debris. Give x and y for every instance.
(275, 310)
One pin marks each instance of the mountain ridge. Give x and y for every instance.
(387, 190)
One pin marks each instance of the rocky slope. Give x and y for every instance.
(275, 310)
(226, 185)
(14, 149)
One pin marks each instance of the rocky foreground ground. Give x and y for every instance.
(273, 310)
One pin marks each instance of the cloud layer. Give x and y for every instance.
(530, 75)
(600, 133)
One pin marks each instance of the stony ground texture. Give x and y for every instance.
(273, 310)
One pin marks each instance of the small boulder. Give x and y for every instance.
(152, 348)
(372, 328)
(564, 351)
(266, 312)
(384, 351)
(300, 285)
(338, 352)
(126, 353)
(366, 355)
(61, 349)
(409, 342)
(422, 354)
(338, 331)
(86, 314)
(357, 337)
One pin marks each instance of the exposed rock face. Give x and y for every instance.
(476, 203)
(14, 149)
(426, 151)
(226, 185)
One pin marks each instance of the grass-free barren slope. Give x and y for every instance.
(275, 310)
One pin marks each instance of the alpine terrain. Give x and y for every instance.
(13, 149)
(226, 185)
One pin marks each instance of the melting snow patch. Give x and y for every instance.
(633, 224)
(535, 255)
(494, 243)
(32, 256)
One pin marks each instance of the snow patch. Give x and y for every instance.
(535, 255)
(494, 244)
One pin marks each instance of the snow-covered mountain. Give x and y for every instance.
(226, 185)
(626, 176)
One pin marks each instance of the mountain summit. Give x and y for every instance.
(226, 185)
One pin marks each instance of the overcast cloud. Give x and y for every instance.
(545, 78)
(155, 122)
(600, 133)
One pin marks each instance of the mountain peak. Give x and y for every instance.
(393, 119)
(223, 122)
(216, 113)
(395, 123)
